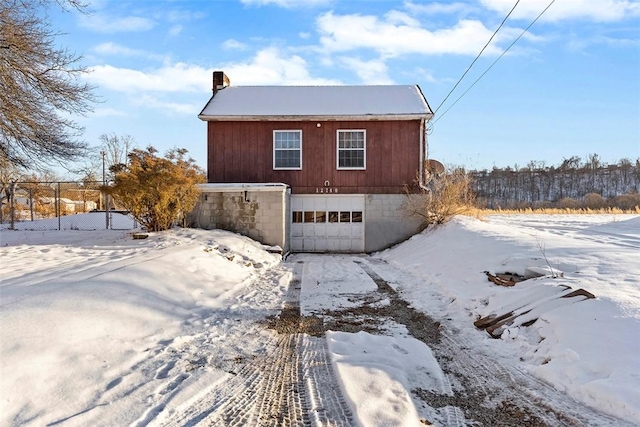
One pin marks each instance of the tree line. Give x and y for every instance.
(576, 182)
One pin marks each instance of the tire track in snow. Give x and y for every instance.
(294, 385)
(487, 392)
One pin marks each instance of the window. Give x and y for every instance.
(351, 149)
(287, 149)
(297, 216)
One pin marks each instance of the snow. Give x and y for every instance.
(329, 101)
(379, 371)
(97, 328)
(86, 221)
(588, 349)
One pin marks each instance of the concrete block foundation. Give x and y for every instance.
(259, 211)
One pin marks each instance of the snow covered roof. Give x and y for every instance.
(224, 187)
(286, 102)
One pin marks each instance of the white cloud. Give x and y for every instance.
(595, 10)
(582, 44)
(395, 17)
(147, 100)
(286, 3)
(181, 16)
(429, 77)
(110, 48)
(102, 23)
(233, 44)
(175, 30)
(173, 78)
(372, 72)
(340, 33)
(438, 8)
(114, 49)
(271, 67)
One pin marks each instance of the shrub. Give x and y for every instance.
(568, 203)
(627, 201)
(443, 197)
(594, 201)
(157, 191)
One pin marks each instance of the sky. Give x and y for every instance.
(570, 86)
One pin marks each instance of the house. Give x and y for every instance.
(313, 168)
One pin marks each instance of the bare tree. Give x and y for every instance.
(113, 150)
(40, 87)
(116, 148)
(8, 174)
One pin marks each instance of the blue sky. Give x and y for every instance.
(569, 86)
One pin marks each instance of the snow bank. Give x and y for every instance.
(589, 348)
(92, 326)
(377, 373)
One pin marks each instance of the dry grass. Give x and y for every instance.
(481, 212)
(443, 197)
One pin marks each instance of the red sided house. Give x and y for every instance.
(313, 168)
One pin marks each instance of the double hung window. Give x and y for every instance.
(351, 149)
(287, 149)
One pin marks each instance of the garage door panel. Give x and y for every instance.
(329, 223)
(308, 230)
(296, 230)
(333, 230)
(357, 231)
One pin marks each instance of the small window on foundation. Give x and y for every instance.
(309, 216)
(297, 216)
(333, 216)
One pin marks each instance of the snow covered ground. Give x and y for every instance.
(99, 329)
(589, 349)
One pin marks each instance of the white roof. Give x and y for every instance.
(227, 187)
(247, 102)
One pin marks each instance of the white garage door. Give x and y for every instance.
(333, 223)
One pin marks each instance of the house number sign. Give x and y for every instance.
(327, 189)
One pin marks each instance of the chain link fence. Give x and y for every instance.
(61, 206)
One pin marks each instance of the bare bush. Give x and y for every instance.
(442, 197)
(568, 203)
(594, 201)
(627, 201)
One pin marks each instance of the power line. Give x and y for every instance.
(477, 57)
(497, 59)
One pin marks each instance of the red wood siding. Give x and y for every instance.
(243, 152)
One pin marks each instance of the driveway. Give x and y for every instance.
(332, 298)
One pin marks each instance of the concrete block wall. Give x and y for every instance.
(387, 221)
(260, 215)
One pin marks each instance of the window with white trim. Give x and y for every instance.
(287, 149)
(352, 149)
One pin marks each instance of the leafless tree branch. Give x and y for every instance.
(41, 87)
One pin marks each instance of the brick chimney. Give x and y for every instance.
(220, 81)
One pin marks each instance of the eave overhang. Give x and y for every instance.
(366, 117)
